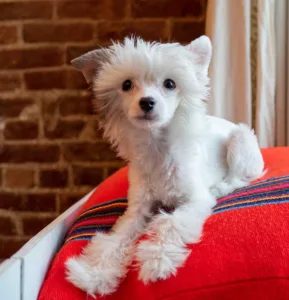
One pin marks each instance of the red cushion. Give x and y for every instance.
(244, 252)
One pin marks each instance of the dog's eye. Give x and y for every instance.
(169, 84)
(127, 85)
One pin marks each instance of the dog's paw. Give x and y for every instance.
(91, 279)
(218, 191)
(224, 188)
(159, 261)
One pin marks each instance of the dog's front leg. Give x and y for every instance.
(165, 250)
(104, 261)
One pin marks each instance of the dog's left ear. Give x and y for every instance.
(89, 63)
(201, 48)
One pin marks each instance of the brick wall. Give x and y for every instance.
(51, 152)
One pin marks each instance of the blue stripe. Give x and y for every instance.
(250, 204)
(118, 200)
(267, 182)
(117, 211)
(82, 238)
(256, 196)
(90, 228)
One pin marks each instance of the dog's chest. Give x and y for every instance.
(160, 172)
(163, 182)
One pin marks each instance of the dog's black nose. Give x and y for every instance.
(147, 104)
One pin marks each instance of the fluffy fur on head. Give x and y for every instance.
(149, 98)
(147, 65)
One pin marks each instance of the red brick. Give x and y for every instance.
(86, 151)
(100, 9)
(30, 58)
(65, 129)
(38, 80)
(33, 224)
(33, 201)
(50, 109)
(13, 107)
(9, 82)
(21, 130)
(62, 79)
(1, 179)
(185, 32)
(91, 131)
(68, 199)
(149, 30)
(24, 153)
(25, 10)
(75, 51)
(51, 32)
(75, 105)
(11, 201)
(87, 175)
(112, 170)
(75, 80)
(53, 178)
(7, 225)
(10, 245)
(32, 112)
(36, 201)
(19, 178)
(8, 34)
(167, 8)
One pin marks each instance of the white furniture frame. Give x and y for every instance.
(22, 275)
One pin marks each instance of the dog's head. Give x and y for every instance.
(144, 84)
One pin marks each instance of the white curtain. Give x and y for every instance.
(282, 67)
(243, 69)
(228, 26)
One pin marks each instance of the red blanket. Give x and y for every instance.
(244, 252)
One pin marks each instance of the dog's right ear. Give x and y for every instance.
(201, 48)
(89, 63)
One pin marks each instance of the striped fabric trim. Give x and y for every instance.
(101, 217)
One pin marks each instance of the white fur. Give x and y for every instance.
(179, 156)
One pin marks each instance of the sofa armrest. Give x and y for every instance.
(10, 279)
(33, 260)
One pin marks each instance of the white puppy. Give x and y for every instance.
(150, 98)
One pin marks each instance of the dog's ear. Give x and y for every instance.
(202, 51)
(89, 63)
